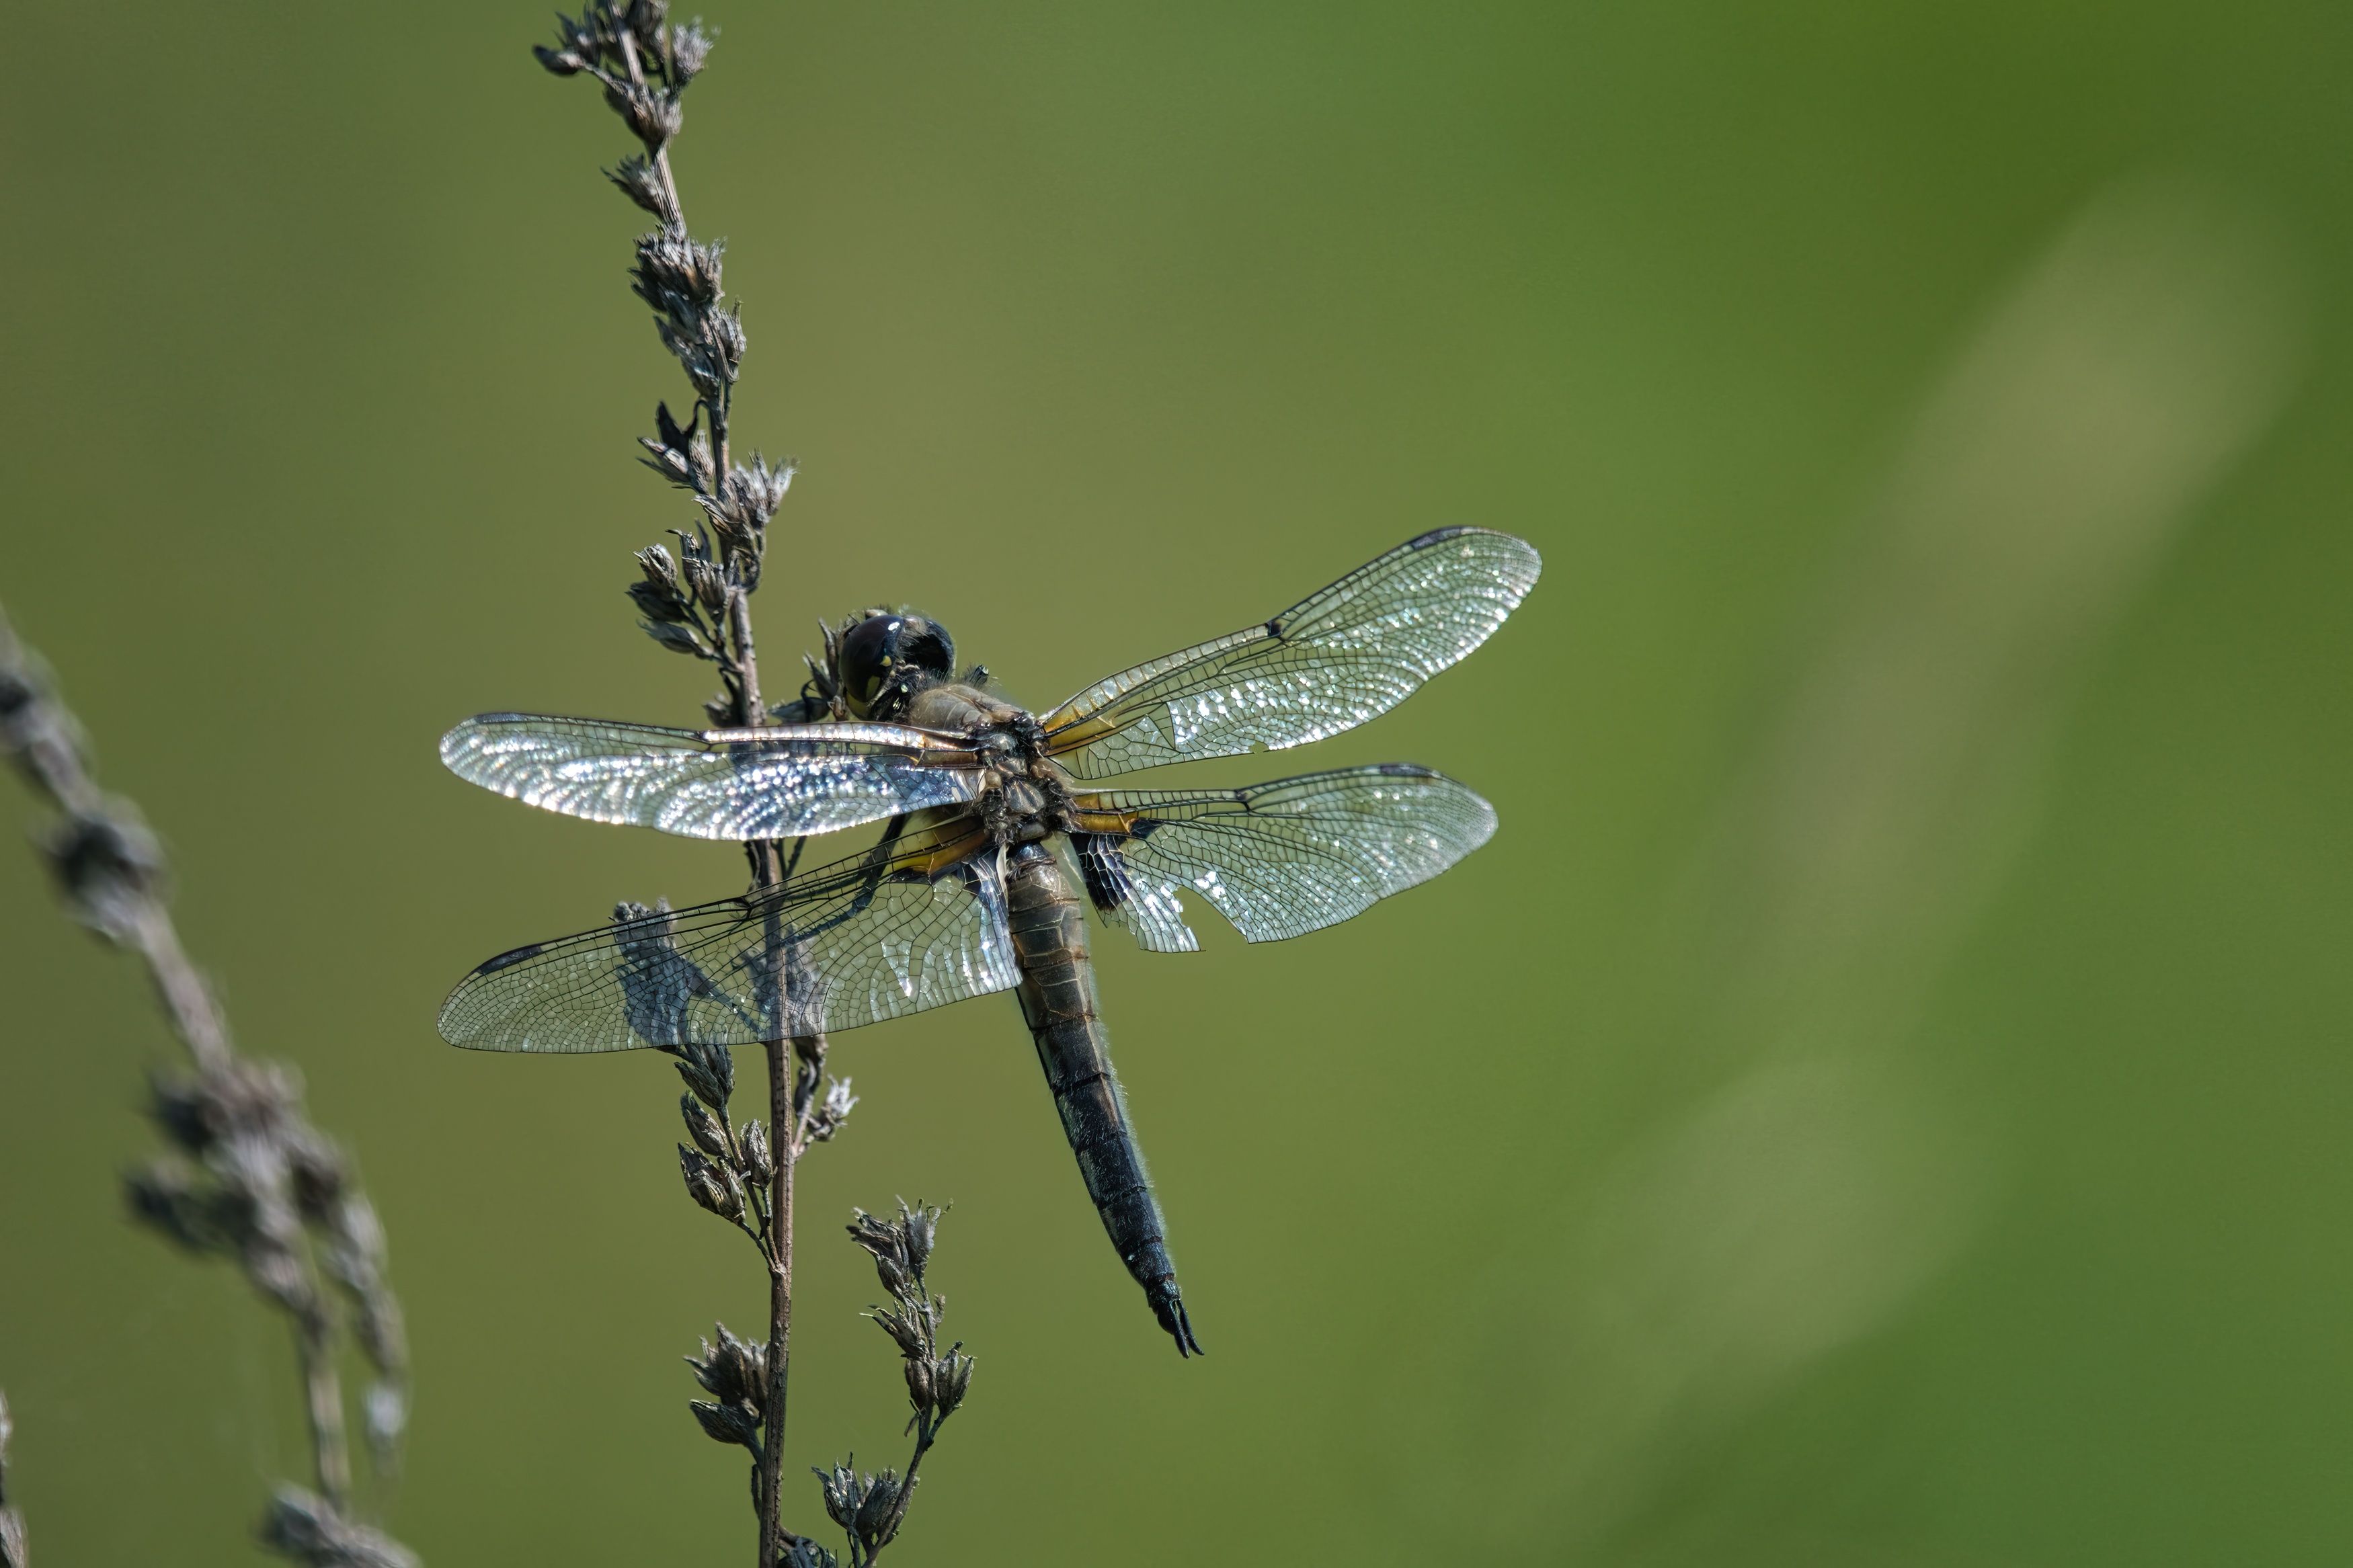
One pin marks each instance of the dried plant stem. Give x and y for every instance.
(783, 1135)
(249, 1179)
(322, 1388)
(187, 1000)
(12, 1554)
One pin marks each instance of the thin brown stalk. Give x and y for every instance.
(251, 1178)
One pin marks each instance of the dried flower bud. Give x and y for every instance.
(835, 1111)
(111, 868)
(681, 456)
(705, 1184)
(308, 1529)
(689, 51)
(760, 490)
(708, 1134)
(642, 183)
(908, 1330)
(659, 605)
(759, 1160)
(879, 1238)
(800, 1552)
(873, 1524)
(644, 21)
(653, 117)
(919, 1383)
(951, 1376)
(734, 1371)
(845, 1492)
(678, 638)
(678, 278)
(708, 1070)
(726, 1422)
(661, 570)
(709, 584)
(921, 1227)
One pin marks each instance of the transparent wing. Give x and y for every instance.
(1330, 662)
(1277, 859)
(909, 925)
(782, 781)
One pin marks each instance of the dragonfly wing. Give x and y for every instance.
(912, 924)
(781, 782)
(1337, 658)
(1277, 859)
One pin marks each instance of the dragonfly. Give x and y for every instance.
(995, 844)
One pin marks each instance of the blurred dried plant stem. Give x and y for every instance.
(249, 1176)
(12, 1523)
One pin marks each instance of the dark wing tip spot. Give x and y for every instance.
(507, 960)
(1439, 536)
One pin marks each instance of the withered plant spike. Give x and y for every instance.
(702, 608)
(246, 1175)
(11, 1521)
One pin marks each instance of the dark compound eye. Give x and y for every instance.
(867, 654)
(882, 651)
(925, 644)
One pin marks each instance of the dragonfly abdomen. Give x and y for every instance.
(1047, 918)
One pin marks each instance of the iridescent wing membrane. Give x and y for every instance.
(1277, 859)
(916, 922)
(919, 920)
(1330, 662)
(781, 782)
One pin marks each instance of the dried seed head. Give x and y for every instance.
(951, 1377)
(708, 1185)
(111, 868)
(734, 1371)
(679, 638)
(921, 1227)
(800, 1552)
(919, 1384)
(644, 21)
(835, 1111)
(908, 1328)
(659, 605)
(708, 1070)
(873, 1524)
(661, 570)
(845, 1492)
(726, 1422)
(308, 1530)
(708, 1134)
(759, 1160)
(759, 489)
(709, 584)
(652, 116)
(677, 277)
(689, 51)
(642, 183)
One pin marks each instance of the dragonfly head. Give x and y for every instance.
(887, 657)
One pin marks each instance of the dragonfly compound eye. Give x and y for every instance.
(884, 652)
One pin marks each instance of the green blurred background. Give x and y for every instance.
(1880, 1100)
